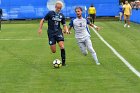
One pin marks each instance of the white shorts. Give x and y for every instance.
(84, 44)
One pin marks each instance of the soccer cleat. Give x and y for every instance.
(63, 64)
(97, 63)
(125, 25)
(128, 26)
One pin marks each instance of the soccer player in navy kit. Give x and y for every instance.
(54, 31)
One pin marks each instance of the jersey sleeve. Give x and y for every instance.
(88, 22)
(47, 16)
(71, 23)
(63, 21)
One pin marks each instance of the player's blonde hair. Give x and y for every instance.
(59, 2)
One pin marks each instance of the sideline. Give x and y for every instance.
(117, 54)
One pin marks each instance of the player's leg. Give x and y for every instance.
(120, 16)
(92, 51)
(52, 43)
(83, 48)
(60, 41)
(128, 20)
(125, 20)
(93, 18)
(90, 18)
(53, 48)
(63, 54)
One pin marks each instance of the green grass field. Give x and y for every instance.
(26, 61)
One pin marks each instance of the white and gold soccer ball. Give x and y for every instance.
(57, 63)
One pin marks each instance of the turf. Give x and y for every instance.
(26, 61)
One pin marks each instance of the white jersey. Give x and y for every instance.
(81, 27)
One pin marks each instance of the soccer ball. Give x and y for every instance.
(57, 63)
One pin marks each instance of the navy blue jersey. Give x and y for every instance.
(54, 19)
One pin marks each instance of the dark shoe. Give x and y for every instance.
(63, 64)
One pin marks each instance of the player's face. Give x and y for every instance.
(126, 2)
(58, 7)
(78, 12)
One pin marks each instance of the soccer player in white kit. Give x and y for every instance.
(82, 33)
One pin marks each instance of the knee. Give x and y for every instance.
(61, 44)
(53, 51)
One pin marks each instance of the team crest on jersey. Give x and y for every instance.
(50, 42)
(60, 16)
(56, 19)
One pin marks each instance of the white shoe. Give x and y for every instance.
(128, 26)
(125, 25)
(98, 63)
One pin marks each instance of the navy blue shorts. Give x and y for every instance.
(56, 37)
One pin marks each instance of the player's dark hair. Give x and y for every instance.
(78, 8)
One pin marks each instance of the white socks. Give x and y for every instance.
(126, 25)
(95, 58)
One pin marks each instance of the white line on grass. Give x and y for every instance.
(118, 55)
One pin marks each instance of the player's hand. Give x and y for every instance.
(98, 28)
(66, 32)
(40, 32)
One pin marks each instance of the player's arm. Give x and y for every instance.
(65, 28)
(40, 26)
(42, 22)
(92, 25)
(70, 26)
